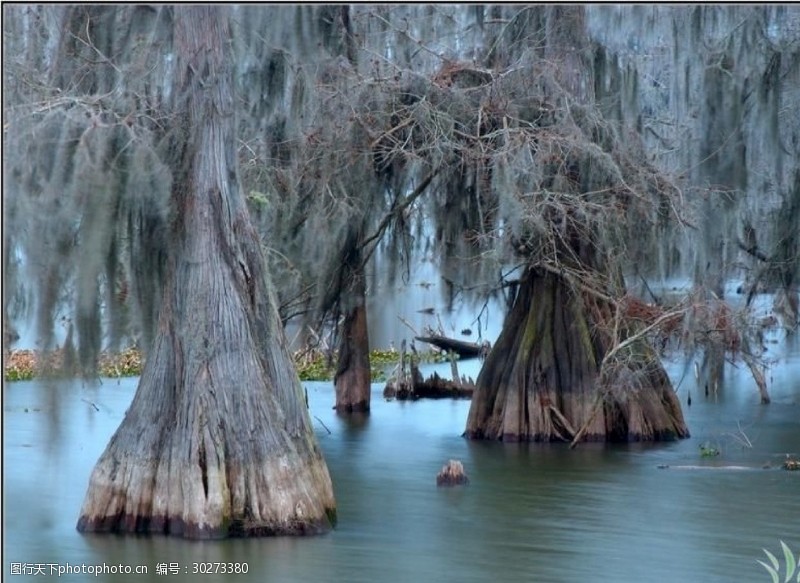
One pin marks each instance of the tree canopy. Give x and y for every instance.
(344, 111)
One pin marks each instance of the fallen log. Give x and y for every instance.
(698, 467)
(789, 465)
(460, 347)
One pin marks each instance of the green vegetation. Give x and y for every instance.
(24, 365)
(318, 367)
(708, 450)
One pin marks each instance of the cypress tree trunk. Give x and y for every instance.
(217, 441)
(541, 381)
(353, 376)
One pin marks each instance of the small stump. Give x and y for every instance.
(452, 474)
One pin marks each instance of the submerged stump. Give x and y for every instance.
(452, 474)
(434, 387)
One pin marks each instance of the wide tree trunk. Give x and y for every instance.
(218, 441)
(542, 379)
(353, 377)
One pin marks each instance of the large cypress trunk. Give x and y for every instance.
(217, 441)
(542, 380)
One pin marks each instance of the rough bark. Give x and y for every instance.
(217, 441)
(353, 376)
(542, 380)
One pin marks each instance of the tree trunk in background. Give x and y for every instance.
(541, 381)
(787, 257)
(353, 378)
(723, 162)
(217, 441)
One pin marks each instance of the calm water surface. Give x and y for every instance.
(530, 513)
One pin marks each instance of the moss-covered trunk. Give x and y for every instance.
(541, 381)
(217, 441)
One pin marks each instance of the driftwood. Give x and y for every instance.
(789, 465)
(460, 347)
(697, 467)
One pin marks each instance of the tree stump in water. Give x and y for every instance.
(412, 387)
(405, 378)
(436, 387)
(407, 383)
(452, 474)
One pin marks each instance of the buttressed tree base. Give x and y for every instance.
(217, 441)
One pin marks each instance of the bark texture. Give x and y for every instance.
(353, 376)
(542, 379)
(217, 441)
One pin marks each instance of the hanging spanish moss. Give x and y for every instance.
(718, 109)
(87, 188)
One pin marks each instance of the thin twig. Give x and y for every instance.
(321, 423)
(563, 419)
(407, 323)
(638, 335)
(595, 409)
(396, 211)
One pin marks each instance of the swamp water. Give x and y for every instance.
(540, 513)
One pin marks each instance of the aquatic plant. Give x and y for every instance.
(774, 568)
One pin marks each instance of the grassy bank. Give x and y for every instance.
(21, 365)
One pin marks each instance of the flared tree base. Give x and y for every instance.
(215, 454)
(270, 506)
(214, 457)
(541, 381)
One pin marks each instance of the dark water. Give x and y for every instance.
(531, 513)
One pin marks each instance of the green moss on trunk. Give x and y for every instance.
(541, 382)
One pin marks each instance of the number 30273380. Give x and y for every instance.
(216, 567)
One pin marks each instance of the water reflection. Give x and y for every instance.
(530, 513)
